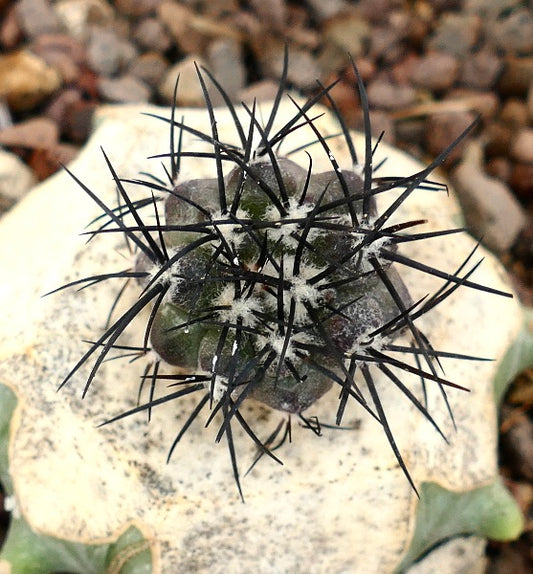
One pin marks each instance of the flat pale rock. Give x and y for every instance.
(339, 503)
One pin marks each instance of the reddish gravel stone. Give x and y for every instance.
(441, 131)
(522, 180)
(435, 71)
(38, 132)
(383, 93)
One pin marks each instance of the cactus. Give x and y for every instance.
(272, 282)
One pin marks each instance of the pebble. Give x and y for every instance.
(77, 121)
(480, 70)
(189, 90)
(443, 129)
(123, 89)
(225, 63)
(500, 168)
(385, 44)
(38, 132)
(383, 93)
(136, 7)
(489, 9)
(485, 103)
(435, 71)
(490, 209)
(177, 20)
(497, 137)
(150, 68)
(16, 178)
(46, 162)
(107, 53)
(347, 32)
(60, 103)
(381, 126)
(37, 17)
(10, 30)
(262, 91)
(455, 34)
(303, 68)
(530, 101)
(325, 10)
(514, 113)
(26, 80)
(78, 16)
(151, 35)
(63, 53)
(516, 77)
(517, 443)
(522, 180)
(273, 13)
(522, 146)
(514, 33)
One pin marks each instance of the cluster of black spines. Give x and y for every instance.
(273, 282)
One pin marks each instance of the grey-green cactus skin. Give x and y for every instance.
(277, 254)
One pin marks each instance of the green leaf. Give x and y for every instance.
(489, 511)
(31, 553)
(518, 357)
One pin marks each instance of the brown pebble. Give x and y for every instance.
(516, 77)
(385, 94)
(347, 32)
(62, 52)
(136, 7)
(517, 443)
(515, 113)
(522, 180)
(26, 80)
(178, 20)
(303, 69)
(10, 31)
(226, 64)
(78, 120)
(491, 211)
(273, 13)
(435, 71)
(149, 67)
(441, 131)
(39, 132)
(262, 91)
(189, 90)
(500, 168)
(58, 107)
(497, 137)
(485, 103)
(522, 146)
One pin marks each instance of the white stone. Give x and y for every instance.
(16, 178)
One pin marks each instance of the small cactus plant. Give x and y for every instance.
(272, 282)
